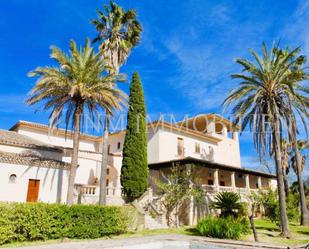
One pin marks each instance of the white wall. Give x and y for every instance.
(56, 139)
(113, 142)
(228, 151)
(53, 183)
(162, 146)
(153, 146)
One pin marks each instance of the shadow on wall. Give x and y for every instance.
(112, 176)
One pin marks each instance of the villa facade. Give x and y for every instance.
(34, 163)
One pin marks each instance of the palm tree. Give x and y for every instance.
(263, 102)
(299, 104)
(302, 146)
(298, 162)
(285, 152)
(76, 86)
(118, 33)
(229, 204)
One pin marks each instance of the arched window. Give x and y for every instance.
(12, 178)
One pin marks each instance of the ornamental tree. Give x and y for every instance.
(134, 171)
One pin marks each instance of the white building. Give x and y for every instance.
(34, 163)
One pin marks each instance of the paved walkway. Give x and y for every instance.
(155, 242)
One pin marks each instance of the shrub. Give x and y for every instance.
(269, 201)
(293, 208)
(6, 227)
(223, 228)
(229, 204)
(38, 221)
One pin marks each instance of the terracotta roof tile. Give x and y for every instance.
(14, 138)
(32, 161)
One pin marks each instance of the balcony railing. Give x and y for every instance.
(226, 189)
(92, 190)
(217, 189)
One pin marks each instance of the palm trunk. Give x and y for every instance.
(286, 184)
(74, 160)
(304, 214)
(280, 182)
(102, 197)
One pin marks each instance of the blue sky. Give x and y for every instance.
(185, 58)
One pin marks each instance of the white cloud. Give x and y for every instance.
(205, 66)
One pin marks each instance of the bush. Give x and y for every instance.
(269, 201)
(32, 221)
(293, 208)
(229, 204)
(223, 228)
(6, 227)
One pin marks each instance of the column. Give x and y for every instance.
(247, 182)
(224, 131)
(118, 190)
(191, 206)
(259, 182)
(216, 179)
(233, 184)
(191, 212)
(235, 136)
(211, 127)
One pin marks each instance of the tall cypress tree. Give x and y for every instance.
(134, 171)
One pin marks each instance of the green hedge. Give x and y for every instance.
(38, 221)
(223, 228)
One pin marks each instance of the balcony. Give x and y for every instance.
(89, 194)
(212, 189)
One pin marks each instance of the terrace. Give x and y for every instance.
(216, 178)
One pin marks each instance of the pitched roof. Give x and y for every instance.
(46, 128)
(32, 161)
(209, 164)
(16, 139)
(181, 129)
(154, 124)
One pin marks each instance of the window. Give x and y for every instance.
(118, 145)
(107, 171)
(107, 183)
(12, 178)
(197, 148)
(180, 148)
(210, 182)
(222, 183)
(109, 149)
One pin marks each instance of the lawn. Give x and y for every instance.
(267, 232)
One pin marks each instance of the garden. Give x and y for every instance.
(270, 89)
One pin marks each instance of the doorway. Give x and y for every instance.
(33, 190)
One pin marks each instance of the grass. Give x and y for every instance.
(268, 233)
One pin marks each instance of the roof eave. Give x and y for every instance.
(216, 165)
